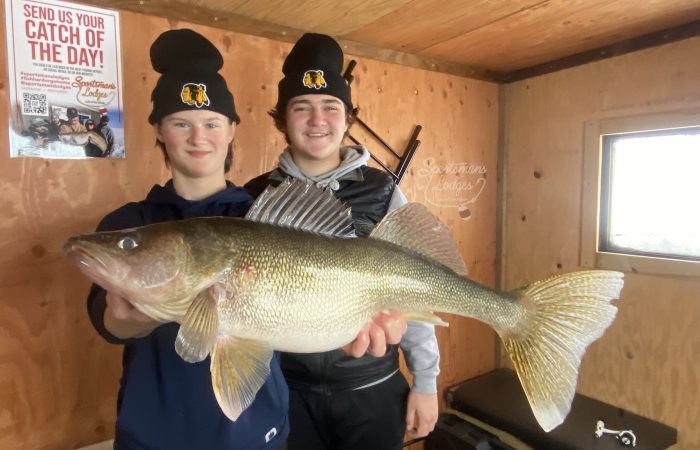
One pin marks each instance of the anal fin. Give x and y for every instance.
(424, 316)
(239, 368)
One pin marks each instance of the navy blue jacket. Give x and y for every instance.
(165, 402)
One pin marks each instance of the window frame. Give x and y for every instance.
(591, 255)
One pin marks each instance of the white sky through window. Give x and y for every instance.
(655, 194)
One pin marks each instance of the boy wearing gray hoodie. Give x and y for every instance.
(338, 401)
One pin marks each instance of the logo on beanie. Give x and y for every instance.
(193, 94)
(314, 79)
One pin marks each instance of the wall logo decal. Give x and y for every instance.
(452, 185)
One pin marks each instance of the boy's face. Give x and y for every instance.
(315, 126)
(196, 142)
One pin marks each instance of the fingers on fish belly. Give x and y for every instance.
(424, 316)
(164, 312)
(564, 315)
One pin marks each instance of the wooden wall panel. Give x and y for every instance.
(392, 105)
(647, 361)
(58, 379)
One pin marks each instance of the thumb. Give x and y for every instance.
(410, 419)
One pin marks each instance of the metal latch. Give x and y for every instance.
(626, 437)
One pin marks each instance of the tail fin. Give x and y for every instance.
(566, 314)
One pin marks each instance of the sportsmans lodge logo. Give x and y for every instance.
(193, 94)
(314, 79)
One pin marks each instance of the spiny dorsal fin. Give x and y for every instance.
(300, 205)
(413, 227)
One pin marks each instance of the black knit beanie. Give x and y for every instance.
(189, 66)
(313, 67)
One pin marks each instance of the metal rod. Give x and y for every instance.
(348, 72)
(384, 166)
(393, 175)
(411, 148)
(377, 137)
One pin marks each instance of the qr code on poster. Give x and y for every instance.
(34, 104)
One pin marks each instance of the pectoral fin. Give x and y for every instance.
(425, 316)
(239, 367)
(198, 330)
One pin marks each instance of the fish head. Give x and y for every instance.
(145, 264)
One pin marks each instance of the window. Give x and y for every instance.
(650, 193)
(641, 199)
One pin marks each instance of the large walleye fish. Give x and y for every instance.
(289, 277)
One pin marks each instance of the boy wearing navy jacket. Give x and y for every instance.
(165, 402)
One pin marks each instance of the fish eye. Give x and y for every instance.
(127, 243)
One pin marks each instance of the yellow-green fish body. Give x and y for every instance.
(281, 281)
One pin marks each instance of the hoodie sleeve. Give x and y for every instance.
(397, 200)
(419, 344)
(125, 217)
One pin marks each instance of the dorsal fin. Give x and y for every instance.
(413, 227)
(300, 205)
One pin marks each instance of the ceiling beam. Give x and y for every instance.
(655, 39)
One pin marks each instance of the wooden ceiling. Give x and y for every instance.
(499, 40)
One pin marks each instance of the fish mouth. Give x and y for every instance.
(89, 264)
(99, 270)
(81, 257)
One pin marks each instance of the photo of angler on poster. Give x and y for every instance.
(65, 91)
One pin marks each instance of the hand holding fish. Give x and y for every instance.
(421, 414)
(386, 328)
(124, 321)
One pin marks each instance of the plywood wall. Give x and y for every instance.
(647, 361)
(58, 379)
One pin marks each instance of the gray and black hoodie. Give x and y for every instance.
(371, 194)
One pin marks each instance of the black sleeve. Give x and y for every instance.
(257, 185)
(125, 217)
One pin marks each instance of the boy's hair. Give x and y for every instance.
(227, 162)
(280, 120)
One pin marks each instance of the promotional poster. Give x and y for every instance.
(64, 65)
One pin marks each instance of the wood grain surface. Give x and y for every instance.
(647, 361)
